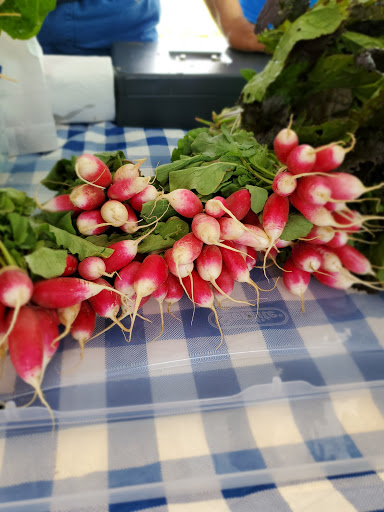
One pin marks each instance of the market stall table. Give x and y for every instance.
(287, 415)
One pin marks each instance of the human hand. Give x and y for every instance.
(240, 36)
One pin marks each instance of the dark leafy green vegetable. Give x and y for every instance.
(297, 227)
(26, 18)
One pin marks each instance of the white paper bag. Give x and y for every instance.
(26, 103)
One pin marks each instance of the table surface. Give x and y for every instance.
(287, 415)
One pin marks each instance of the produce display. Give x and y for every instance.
(111, 238)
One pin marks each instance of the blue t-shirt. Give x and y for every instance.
(90, 27)
(252, 8)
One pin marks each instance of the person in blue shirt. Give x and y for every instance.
(90, 27)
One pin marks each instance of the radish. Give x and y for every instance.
(66, 317)
(59, 204)
(284, 183)
(123, 253)
(64, 292)
(318, 215)
(239, 203)
(91, 223)
(150, 193)
(92, 268)
(184, 201)
(254, 237)
(320, 235)
(249, 253)
(126, 277)
(159, 295)
(150, 276)
(209, 265)
(128, 171)
(213, 208)
(202, 296)
(71, 265)
(176, 270)
(331, 156)
(87, 197)
(132, 224)
(347, 187)
(125, 189)
(252, 218)
(226, 283)
(349, 220)
(275, 217)
(295, 280)
(16, 290)
(186, 249)
(335, 206)
(175, 291)
(353, 260)
(114, 213)
(237, 267)
(285, 141)
(305, 257)
(339, 239)
(280, 244)
(92, 170)
(84, 325)
(330, 261)
(342, 280)
(230, 229)
(315, 190)
(206, 229)
(27, 352)
(107, 303)
(301, 159)
(50, 336)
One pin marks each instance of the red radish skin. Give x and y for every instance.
(186, 249)
(92, 170)
(64, 292)
(92, 268)
(339, 239)
(347, 187)
(87, 197)
(315, 190)
(71, 265)
(338, 280)
(159, 295)
(132, 224)
(252, 218)
(16, 290)
(213, 208)
(349, 220)
(330, 261)
(284, 184)
(280, 244)
(185, 202)
(150, 276)
(123, 253)
(84, 325)
(239, 203)
(128, 171)
(176, 270)
(91, 223)
(354, 261)
(331, 156)
(318, 215)
(27, 352)
(295, 280)
(305, 257)
(106, 303)
(66, 317)
(336, 206)
(175, 290)
(150, 193)
(60, 204)
(301, 159)
(50, 335)
(125, 189)
(320, 235)
(275, 217)
(206, 229)
(285, 141)
(230, 229)
(124, 281)
(114, 213)
(226, 283)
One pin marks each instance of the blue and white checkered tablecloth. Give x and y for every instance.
(287, 415)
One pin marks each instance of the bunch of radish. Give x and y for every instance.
(311, 184)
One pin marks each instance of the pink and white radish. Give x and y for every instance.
(339, 240)
(84, 325)
(184, 201)
(347, 187)
(330, 261)
(202, 296)
(150, 193)
(226, 283)
(301, 159)
(132, 224)
(124, 281)
(295, 280)
(60, 203)
(71, 265)
(275, 217)
(114, 213)
(315, 190)
(92, 170)
(305, 257)
(128, 171)
(230, 229)
(92, 268)
(159, 295)
(213, 208)
(91, 223)
(175, 290)
(354, 261)
(66, 317)
(127, 188)
(254, 237)
(107, 303)
(285, 141)
(206, 229)
(87, 197)
(177, 270)
(331, 156)
(284, 183)
(239, 203)
(320, 235)
(50, 335)
(64, 292)
(150, 276)
(16, 290)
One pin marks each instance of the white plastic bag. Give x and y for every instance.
(25, 104)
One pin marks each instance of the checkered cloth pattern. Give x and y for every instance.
(286, 415)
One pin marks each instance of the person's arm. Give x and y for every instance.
(238, 31)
